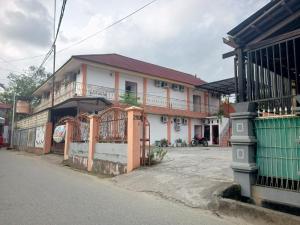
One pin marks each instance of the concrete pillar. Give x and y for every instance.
(68, 138)
(244, 146)
(92, 140)
(133, 138)
(47, 138)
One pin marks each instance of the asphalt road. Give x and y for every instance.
(34, 191)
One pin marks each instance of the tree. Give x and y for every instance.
(129, 98)
(23, 85)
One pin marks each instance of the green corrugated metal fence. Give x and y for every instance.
(278, 151)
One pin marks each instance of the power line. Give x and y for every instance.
(90, 36)
(107, 27)
(60, 19)
(52, 49)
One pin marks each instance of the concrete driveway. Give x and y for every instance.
(189, 175)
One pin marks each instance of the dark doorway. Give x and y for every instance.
(215, 134)
(131, 88)
(207, 132)
(56, 115)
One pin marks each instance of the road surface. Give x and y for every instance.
(35, 191)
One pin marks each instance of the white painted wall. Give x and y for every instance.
(183, 133)
(214, 104)
(111, 152)
(193, 123)
(156, 96)
(100, 77)
(178, 99)
(158, 130)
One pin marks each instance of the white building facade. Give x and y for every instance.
(175, 107)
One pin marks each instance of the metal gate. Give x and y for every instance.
(278, 152)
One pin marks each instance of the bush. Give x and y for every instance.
(157, 155)
(163, 142)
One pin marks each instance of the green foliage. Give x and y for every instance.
(23, 85)
(157, 155)
(179, 140)
(129, 99)
(164, 142)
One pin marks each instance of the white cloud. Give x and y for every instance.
(184, 35)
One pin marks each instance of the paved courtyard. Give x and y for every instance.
(189, 175)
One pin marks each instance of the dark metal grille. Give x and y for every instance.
(271, 75)
(112, 125)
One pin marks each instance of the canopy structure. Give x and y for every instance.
(226, 86)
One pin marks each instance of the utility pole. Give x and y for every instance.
(54, 52)
(13, 122)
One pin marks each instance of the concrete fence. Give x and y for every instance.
(33, 139)
(111, 158)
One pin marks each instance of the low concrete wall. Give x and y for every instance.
(108, 167)
(111, 152)
(78, 155)
(110, 158)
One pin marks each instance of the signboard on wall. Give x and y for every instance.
(22, 107)
(59, 133)
(40, 137)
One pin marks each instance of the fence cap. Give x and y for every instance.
(134, 108)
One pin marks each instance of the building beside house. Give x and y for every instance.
(265, 126)
(176, 104)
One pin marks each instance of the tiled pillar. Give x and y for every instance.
(189, 130)
(169, 124)
(133, 138)
(117, 87)
(84, 79)
(188, 100)
(68, 138)
(145, 81)
(48, 138)
(92, 140)
(244, 146)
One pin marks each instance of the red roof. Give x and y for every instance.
(4, 106)
(126, 63)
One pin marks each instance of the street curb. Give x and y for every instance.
(250, 212)
(247, 211)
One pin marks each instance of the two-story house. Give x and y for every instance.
(175, 108)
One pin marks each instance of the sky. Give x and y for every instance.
(185, 35)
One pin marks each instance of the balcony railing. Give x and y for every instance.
(72, 90)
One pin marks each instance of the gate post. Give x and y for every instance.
(92, 141)
(68, 138)
(133, 138)
(47, 138)
(244, 146)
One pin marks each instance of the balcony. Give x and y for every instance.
(152, 103)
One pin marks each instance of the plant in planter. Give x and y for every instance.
(156, 155)
(163, 142)
(184, 144)
(178, 142)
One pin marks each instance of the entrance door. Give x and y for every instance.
(207, 132)
(215, 134)
(198, 130)
(131, 88)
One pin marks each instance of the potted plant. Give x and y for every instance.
(164, 142)
(178, 142)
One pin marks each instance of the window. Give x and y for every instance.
(197, 103)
